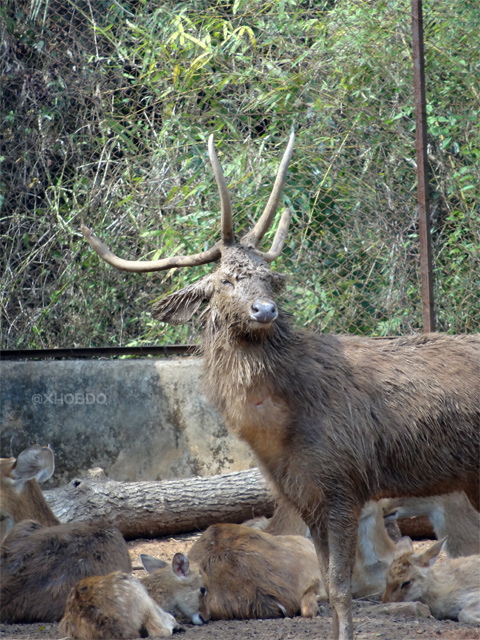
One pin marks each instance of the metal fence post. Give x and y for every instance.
(426, 268)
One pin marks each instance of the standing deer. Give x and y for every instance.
(41, 559)
(334, 420)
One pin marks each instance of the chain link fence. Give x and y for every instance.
(106, 108)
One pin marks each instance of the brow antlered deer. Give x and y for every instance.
(41, 560)
(179, 587)
(114, 606)
(451, 515)
(451, 589)
(333, 419)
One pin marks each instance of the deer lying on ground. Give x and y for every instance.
(180, 587)
(451, 589)
(20, 496)
(452, 516)
(114, 606)
(253, 574)
(41, 561)
(334, 420)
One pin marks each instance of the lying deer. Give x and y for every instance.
(180, 587)
(20, 496)
(451, 589)
(253, 574)
(452, 516)
(114, 606)
(40, 561)
(333, 420)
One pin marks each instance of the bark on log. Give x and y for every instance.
(417, 528)
(151, 509)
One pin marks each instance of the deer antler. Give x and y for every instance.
(254, 236)
(226, 206)
(142, 266)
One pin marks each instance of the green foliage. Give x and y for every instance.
(106, 109)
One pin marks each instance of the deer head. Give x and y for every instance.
(242, 290)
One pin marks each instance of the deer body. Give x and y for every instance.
(114, 606)
(333, 420)
(252, 574)
(451, 515)
(450, 589)
(40, 563)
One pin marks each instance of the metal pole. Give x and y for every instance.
(426, 269)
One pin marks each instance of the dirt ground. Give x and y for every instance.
(368, 626)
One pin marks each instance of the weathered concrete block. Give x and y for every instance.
(142, 419)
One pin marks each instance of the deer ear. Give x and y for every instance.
(428, 557)
(151, 564)
(180, 565)
(179, 307)
(35, 462)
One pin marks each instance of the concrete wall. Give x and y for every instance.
(141, 419)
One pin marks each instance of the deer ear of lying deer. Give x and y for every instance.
(151, 564)
(428, 557)
(180, 306)
(180, 565)
(404, 545)
(35, 462)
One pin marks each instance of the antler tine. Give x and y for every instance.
(227, 218)
(254, 236)
(143, 266)
(279, 239)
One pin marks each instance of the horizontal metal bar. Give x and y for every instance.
(97, 352)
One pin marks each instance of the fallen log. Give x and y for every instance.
(153, 509)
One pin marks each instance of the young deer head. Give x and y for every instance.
(179, 587)
(20, 496)
(247, 305)
(451, 588)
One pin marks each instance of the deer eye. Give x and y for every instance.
(405, 584)
(226, 282)
(203, 591)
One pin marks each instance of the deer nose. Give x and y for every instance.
(263, 311)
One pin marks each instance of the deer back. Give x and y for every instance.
(39, 565)
(20, 495)
(448, 588)
(452, 516)
(179, 587)
(252, 574)
(114, 606)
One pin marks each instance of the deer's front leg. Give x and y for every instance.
(342, 542)
(335, 540)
